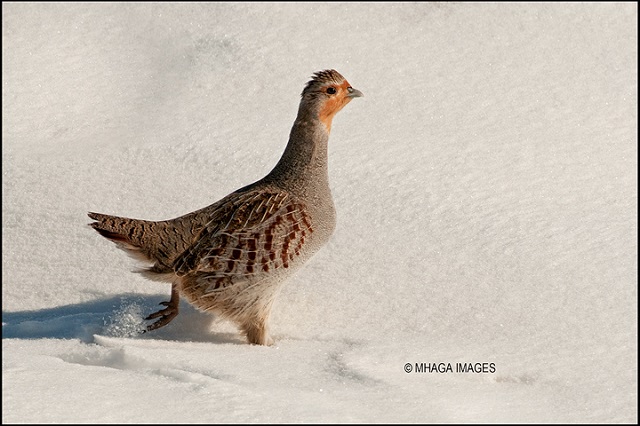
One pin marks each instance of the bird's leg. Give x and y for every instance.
(257, 331)
(167, 314)
(258, 334)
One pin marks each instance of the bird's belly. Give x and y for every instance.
(233, 296)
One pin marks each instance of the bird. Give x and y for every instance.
(232, 257)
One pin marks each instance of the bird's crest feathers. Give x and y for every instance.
(321, 78)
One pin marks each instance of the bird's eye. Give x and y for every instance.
(331, 90)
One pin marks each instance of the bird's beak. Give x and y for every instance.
(354, 93)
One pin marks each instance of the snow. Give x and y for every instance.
(485, 186)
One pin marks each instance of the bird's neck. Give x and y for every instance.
(303, 169)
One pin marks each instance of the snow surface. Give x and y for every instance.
(486, 191)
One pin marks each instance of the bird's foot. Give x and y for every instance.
(167, 314)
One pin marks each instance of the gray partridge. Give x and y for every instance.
(232, 257)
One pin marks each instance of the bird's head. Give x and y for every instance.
(326, 94)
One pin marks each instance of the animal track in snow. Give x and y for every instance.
(122, 358)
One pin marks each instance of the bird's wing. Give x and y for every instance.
(249, 233)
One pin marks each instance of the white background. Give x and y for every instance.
(485, 186)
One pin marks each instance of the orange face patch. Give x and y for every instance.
(334, 104)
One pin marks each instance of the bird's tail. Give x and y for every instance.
(139, 239)
(126, 233)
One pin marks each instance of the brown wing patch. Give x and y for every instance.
(257, 233)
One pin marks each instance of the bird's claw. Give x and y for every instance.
(166, 316)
